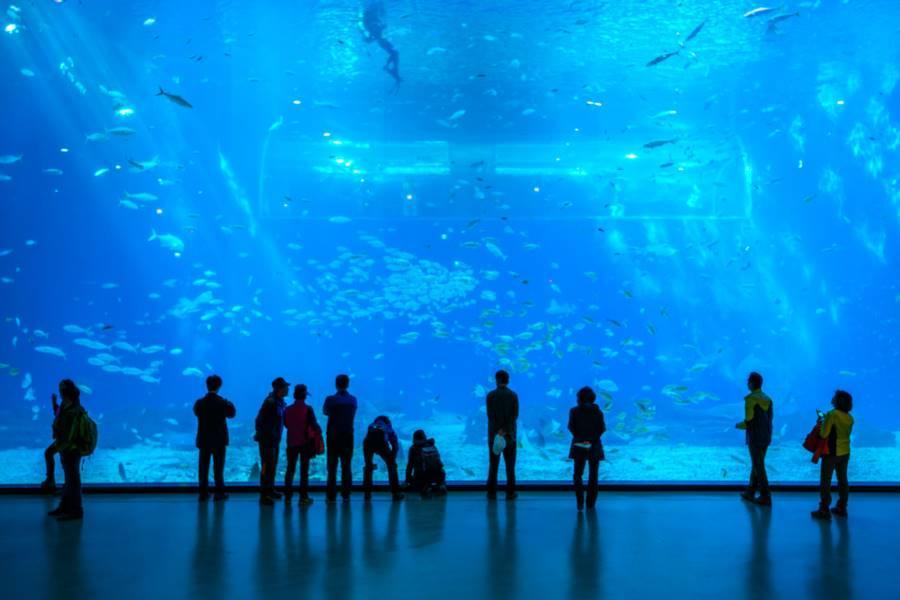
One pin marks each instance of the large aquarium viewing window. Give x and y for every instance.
(650, 198)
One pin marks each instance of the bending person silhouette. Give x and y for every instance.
(373, 27)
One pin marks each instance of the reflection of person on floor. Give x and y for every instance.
(48, 486)
(836, 428)
(502, 413)
(212, 412)
(424, 468)
(381, 440)
(586, 424)
(758, 412)
(373, 27)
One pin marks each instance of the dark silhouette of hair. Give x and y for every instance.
(586, 395)
(385, 419)
(755, 380)
(213, 383)
(342, 382)
(501, 377)
(300, 389)
(69, 390)
(843, 401)
(419, 435)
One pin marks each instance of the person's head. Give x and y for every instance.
(842, 401)
(342, 382)
(300, 392)
(754, 381)
(419, 436)
(384, 419)
(586, 396)
(213, 383)
(280, 387)
(501, 377)
(69, 391)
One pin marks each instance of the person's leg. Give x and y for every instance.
(578, 479)
(593, 476)
(219, 470)
(509, 461)
(293, 453)
(50, 465)
(264, 468)
(332, 454)
(493, 468)
(203, 472)
(368, 468)
(305, 457)
(393, 477)
(347, 467)
(843, 482)
(72, 467)
(753, 485)
(825, 474)
(762, 479)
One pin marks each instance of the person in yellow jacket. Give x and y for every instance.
(836, 427)
(758, 414)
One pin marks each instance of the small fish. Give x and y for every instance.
(118, 131)
(52, 350)
(658, 143)
(174, 98)
(52, 171)
(92, 344)
(339, 220)
(172, 422)
(457, 115)
(167, 240)
(8, 159)
(694, 33)
(662, 57)
(277, 124)
(757, 11)
(100, 172)
(774, 21)
(141, 197)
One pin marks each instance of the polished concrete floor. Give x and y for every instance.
(636, 545)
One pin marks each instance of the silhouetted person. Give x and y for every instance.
(586, 425)
(758, 414)
(502, 413)
(837, 425)
(381, 440)
(269, 425)
(48, 486)
(303, 433)
(212, 412)
(340, 408)
(373, 31)
(69, 443)
(424, 468)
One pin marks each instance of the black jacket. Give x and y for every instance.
(414, 460)
(502, 412)
(211, 411)
(586, 424)
(270, 422)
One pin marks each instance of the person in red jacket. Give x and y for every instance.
(302, 433)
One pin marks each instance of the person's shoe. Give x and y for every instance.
(220, 497)
(763, 501)
(367, 496)
(71, 516)
(275, 495)
(288, 497)
(579, 502)
(306, 501)
(346, 498)
(48, 486)
(749, 497)
(512, 495)
(492, 495)
(330, 500)
(56, 512)
(398, 497)
(441, 490)
(822, 513)
(839, 511)
(267, 501)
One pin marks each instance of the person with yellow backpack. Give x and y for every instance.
(75, 435)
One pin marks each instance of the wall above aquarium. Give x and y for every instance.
(649, 198)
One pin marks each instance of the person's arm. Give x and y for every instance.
(409, 465)
(395, 443)
(312, 421)
(197, 408)
(571, 425)
(748, 412)
(55, 404)
(230, 410)
(827, 426)
(326, 407)
(602, 428)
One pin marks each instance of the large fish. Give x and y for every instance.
(174, 98)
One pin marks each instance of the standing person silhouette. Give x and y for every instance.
(269, 427)
(340, 408)
(373, 27)
(758, 414)
(502, 413)
(212, 412)
(587, 425)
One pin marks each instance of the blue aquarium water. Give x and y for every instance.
(649, 197)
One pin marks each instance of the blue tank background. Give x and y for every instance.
(333, 224)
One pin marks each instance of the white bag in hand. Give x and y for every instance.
(499, 444)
